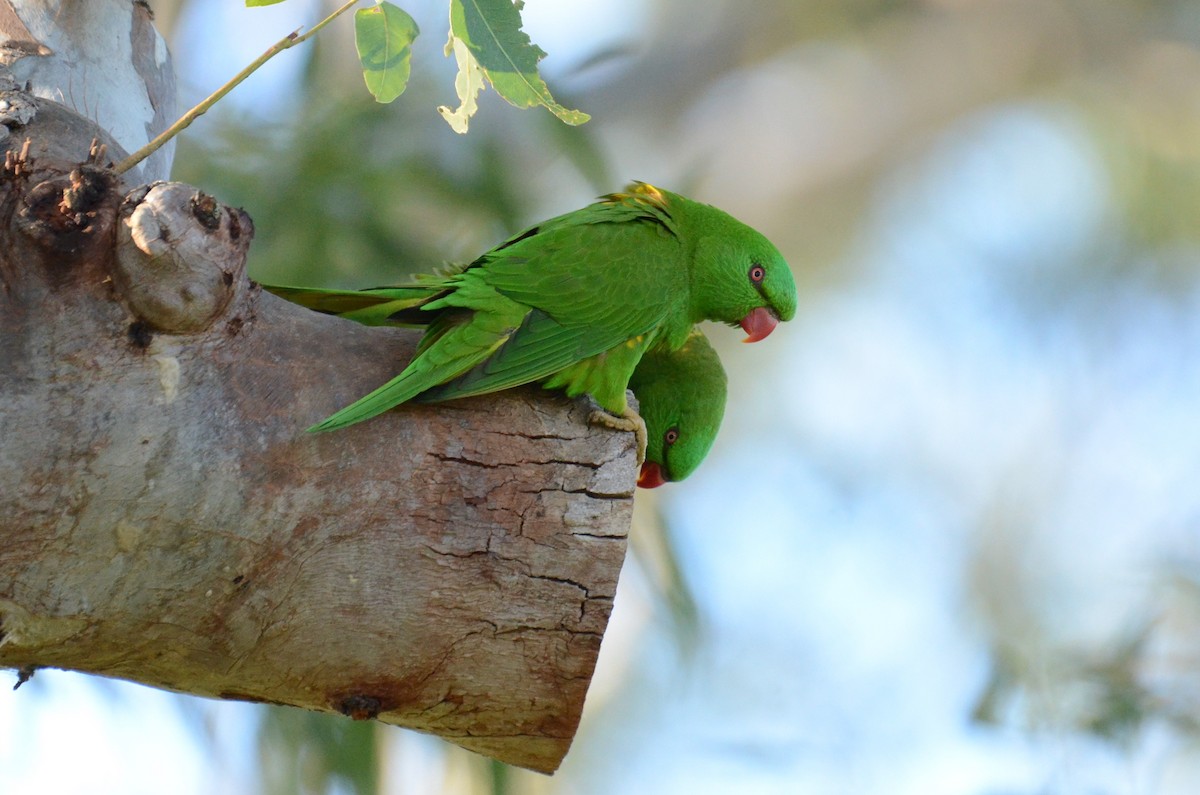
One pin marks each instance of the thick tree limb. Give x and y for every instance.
(164, 519)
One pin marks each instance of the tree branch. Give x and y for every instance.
(102, 59)
(447, 568)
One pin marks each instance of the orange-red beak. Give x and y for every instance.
(758, 324)
(651, 476)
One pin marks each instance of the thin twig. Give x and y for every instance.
(287, 42)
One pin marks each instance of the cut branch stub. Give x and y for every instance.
(448, 568)
(178, 256)
(70, 217)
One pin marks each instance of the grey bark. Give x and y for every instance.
(165, 519)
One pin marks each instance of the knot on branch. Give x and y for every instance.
(360, 707)
(68, 214)
(180, 256)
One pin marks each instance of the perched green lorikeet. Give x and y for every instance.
(681, 396)
(574, 303)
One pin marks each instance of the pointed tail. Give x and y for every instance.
(380, 306)
(449, 348)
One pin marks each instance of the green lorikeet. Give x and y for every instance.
(681, 396)
(574, 303)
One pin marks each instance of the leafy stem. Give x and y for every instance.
(287, 42)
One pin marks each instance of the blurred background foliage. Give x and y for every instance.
(948, 541)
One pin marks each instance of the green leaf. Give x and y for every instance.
(253, 3)
(384, 35)
(491, 32)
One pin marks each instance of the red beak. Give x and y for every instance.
(759, 323)
(651, 476)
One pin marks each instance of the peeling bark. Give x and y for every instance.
(102, 59)
(165, 519)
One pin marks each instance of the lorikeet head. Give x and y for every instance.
(681, 395)
(738, 276)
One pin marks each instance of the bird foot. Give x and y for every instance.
(629, 420)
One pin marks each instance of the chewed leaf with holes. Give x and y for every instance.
(467, 85)
(490, 30)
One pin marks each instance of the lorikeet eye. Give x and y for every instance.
(757, 273)
(671, 436)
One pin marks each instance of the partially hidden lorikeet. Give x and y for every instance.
(573, 303)
(681, 397)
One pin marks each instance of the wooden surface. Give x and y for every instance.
(165, 519)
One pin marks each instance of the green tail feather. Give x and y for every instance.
(423, 373)
(393, 393)
(382, 306)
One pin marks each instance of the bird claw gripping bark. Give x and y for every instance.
(629, 420)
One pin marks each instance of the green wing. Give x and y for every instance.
(453, 343)
(544, 350)
(592, 287)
